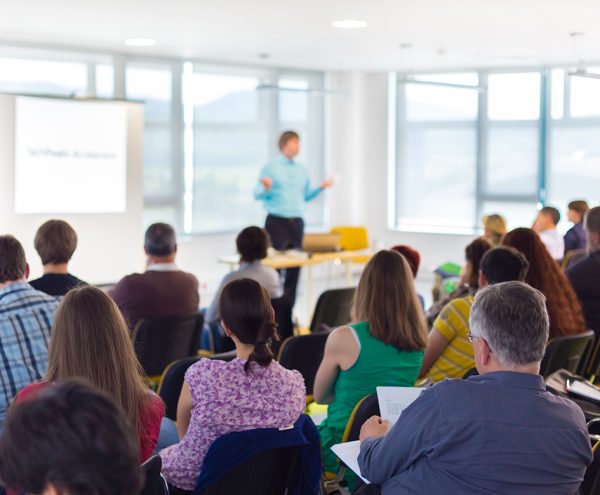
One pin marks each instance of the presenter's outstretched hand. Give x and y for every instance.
(327, 183)
(267, 182)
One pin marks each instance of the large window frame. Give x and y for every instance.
(177, 197)
(545, 127)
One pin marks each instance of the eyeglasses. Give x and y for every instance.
(472, 338)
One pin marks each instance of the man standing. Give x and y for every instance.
(585, 275)
(26, 316)
(284, 188)
(163, 289)
(500, 432)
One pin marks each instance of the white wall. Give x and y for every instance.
(109, 245)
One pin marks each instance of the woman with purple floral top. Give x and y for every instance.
(219, 397)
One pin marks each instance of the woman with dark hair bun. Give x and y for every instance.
(219, 397)
(545, 275)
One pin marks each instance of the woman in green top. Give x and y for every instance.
(385, 347)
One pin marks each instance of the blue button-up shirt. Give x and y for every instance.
(26, 316)
(496, 433)
(291, 188)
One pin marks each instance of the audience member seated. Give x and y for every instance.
(252, 244)
(25, 319)
(163, 289)
(412, 256)
(585, 275)
(55, 242)
(385, 347)
(545, 225)
(500, 432)
(566, 315)
(494, 228)
(71, 440)
(469, 278)
(449, 353)
(575, 237)
(218, 397)
(90, 340)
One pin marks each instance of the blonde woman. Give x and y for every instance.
(90, 340)
(494, 228)
(384, 348)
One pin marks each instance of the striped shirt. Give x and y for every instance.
(25, 319)
(453, 325)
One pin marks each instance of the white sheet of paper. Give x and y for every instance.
(393, 400)
(348, 454)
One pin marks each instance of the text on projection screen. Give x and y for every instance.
(70, 156)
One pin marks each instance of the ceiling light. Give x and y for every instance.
(349, 24)
(140, 42)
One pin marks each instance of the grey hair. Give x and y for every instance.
(512, 318)
(592, 220)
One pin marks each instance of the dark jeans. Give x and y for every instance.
(287, 233)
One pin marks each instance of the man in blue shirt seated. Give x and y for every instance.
(500, 432)
(284, 188)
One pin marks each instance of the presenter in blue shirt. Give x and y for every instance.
(284, 188)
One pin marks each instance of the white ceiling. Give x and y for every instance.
(443, 33)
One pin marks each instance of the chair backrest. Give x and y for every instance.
(352, 238)
(591, 479)
(160, 341)
(154, 483)
(273, 471)
(303, 353)
(566, 352)
(333, 308)
(171, 381)
(283, 316)
(367, 407)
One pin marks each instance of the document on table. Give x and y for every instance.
(393, 400)
(348, 454)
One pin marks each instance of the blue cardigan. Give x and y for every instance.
(232, 449)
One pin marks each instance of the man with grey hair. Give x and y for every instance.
(499, 432)
(585, 275)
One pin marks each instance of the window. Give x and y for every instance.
(437, 155)
(532, 139)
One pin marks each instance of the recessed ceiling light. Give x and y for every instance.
(349, 24)
(140, 42)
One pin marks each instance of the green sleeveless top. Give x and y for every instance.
(378, 364)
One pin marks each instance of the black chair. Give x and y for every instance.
(283, 317)
(272, 472)
(573, 257)
(160, 341)
(171, 381)
(303, 353)
(591, 479)
(469, 373)
(154, 483)
(333, 309)
(566, 352)
(367, 407)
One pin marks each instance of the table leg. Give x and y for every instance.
(309, 293)
(348, 266)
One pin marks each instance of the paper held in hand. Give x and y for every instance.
(392, 401)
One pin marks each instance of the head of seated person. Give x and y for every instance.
(252, 244)
(502, 264)
(160, 244)
(248, 318)
(509, 328)
(411, 255)
(577, 210)
(13, 264)
(592, 228)
(55, 242)
(69, 440)
(547, 219)
(90, 340)
(494, 228)
(473, 254)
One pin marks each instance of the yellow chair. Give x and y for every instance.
(353, 239)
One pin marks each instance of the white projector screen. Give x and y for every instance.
(70, 156)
